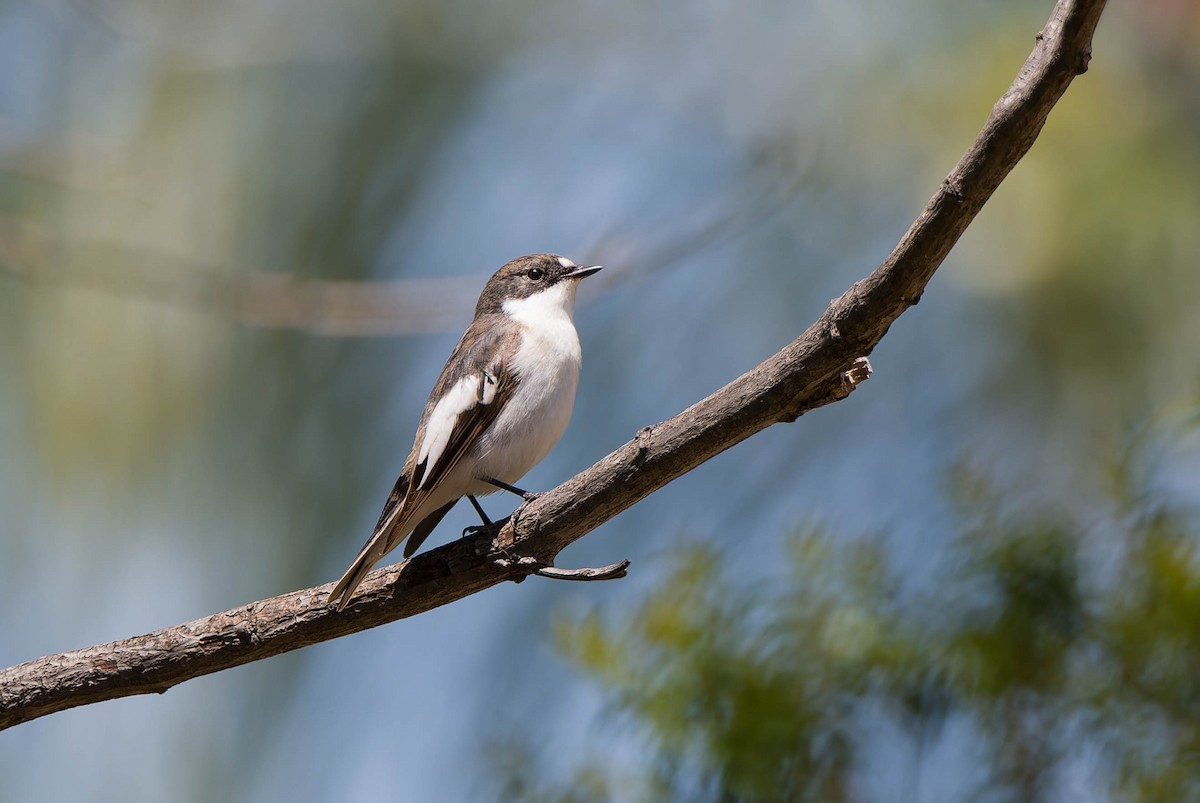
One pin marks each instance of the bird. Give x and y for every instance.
(499, 406)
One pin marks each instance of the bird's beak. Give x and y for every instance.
(579, 273)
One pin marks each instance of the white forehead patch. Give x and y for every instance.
(566, 263)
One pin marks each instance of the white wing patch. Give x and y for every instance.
(487, 391)
(458, 400)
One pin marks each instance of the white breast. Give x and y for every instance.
(547, 369)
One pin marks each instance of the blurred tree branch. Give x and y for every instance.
(348, 308)
(257, 299)
(806, 374)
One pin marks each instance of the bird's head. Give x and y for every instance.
(545, 283)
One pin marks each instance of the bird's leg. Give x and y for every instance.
(487, 525)
(490, 527)
(479, 509)
(528, 496)
(508, 560)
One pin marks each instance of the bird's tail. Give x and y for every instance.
(395, 525)
(371, 552)
(379, 544)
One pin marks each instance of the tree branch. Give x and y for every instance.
(806, 374)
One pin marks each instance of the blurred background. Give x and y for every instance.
(238, 240)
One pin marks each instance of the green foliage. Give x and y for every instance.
(1061, 650)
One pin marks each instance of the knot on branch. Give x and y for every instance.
(953, 187)
(839, 388)
(1082, 60)
(642, 440)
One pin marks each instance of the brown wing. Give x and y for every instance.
(495, 388)
(477, 373)
(394, 499)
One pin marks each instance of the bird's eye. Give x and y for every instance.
(535, 273)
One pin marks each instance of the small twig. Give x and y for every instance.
(613, 571)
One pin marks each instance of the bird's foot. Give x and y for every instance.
(491, 528)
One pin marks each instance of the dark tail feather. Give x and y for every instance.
(371, 552)
(378, 545)
(422, 530)
(375, 548)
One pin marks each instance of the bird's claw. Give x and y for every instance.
(493, 527)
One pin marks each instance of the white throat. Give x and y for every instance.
(546, 364)
(550, 307)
